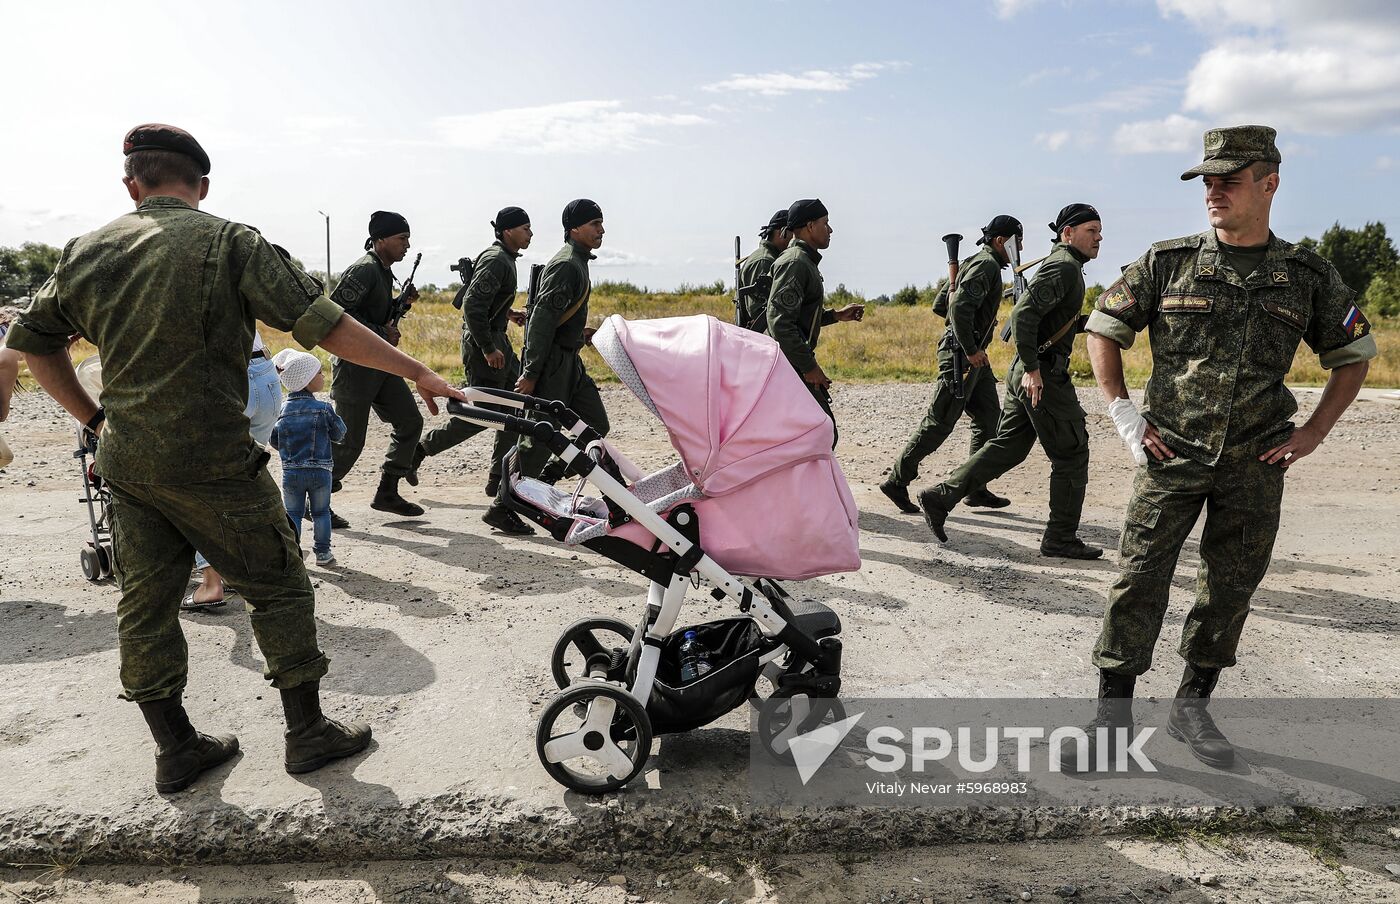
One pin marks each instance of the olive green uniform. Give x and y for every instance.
(485, 316)
(796, 315)
(1222, 343)
(755, 281)
(1052, 300)
(972, 312)
(168, 294)
(366, 292)
(553, 338)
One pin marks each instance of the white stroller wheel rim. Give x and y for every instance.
(600, 751)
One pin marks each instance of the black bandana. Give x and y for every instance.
(384, 223)
(776, 223)
(581, 211)
(1001, 226)
(509, 218)
(805, 211)
(1074, 215)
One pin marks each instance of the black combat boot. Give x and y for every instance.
(1115, 711)
(934, 513)
(493, 485)
(1073, 548)
(898, 493)
(387, 499)
(985, 498)
(312, 739)
(181, 752)
(506, 521)
(419, 453)
(1192, 724)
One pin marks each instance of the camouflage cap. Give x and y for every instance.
(1231, 149)
(157, 136)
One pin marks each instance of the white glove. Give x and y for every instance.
(1131, 426)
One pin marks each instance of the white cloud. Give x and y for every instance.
(1386, 162)
(1006, 9)
(613, 257)
(1151, 136)
(1055, 72)
(1132, 99)
(1052, 141)
(582, 126)
(1142, 50)
(815, 80)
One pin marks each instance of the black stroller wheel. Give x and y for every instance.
(104, 559)
(92, 564)
(582, 641)
(781, 717)
(600, 749)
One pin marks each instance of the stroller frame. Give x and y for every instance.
(96, 557)
(617, 685)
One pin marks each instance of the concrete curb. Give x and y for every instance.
(462, 825)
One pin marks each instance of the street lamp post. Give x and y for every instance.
(328, 247)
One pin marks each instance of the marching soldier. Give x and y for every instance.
(171, 293)
(366, 292)
(487, 354)
(1225, 310)
(795, 312)
(1040, 399)
(556, 329)
(972, 312)
(756, 273)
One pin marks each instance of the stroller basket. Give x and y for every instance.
(735, 647)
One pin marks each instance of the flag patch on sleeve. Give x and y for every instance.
(1354, 324)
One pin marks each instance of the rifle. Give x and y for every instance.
(738, 259)
(398, 307)
(462, 268)
(1018, 280)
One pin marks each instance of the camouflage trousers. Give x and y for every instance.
(979, 402)
(241, 527)
(565, 380)
(356, 392)
(456, 431)
(1242, 497)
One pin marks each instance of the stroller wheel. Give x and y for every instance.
(781, 718)
(601, 749)
(92, 564)
(582, 641)
(104, 559)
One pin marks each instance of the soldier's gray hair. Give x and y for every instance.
(156, 168)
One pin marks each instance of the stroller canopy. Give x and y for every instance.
(734, 408)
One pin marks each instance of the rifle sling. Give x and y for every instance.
(1059, 334)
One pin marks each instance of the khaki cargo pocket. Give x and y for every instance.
(261, 539)
(1138, 527)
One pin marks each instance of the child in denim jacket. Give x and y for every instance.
(302, 436)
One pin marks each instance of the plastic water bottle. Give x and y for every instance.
(695, 659)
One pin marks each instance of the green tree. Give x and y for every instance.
(1382, 298)
(1091, 295)
(908, 296)
(25, 268)
(1358, 254)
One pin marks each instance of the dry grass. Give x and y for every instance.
(892, 342)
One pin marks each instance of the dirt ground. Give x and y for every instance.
(439, 633)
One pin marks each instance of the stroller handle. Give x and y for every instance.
(539, 430)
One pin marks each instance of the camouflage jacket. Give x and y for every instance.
(795, 312)
(168, 294)
(973, 307)
(563, 284)
(366, 292)
(1221, 345)
(756, 276)
(1053, 298)
(490, 294)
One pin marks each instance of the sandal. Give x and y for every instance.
(188, 604)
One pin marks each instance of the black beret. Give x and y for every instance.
(1074, 215)
(775, 222)
(384, 223)
(581, 211)
(157, 136)
(509, 218)
(1002, 225)
(805, 211)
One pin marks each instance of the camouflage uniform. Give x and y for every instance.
(179, 316)
(972, 311)
(756, 277)
(485, 316)
(1052, 300)
(366, 291)
(552, 344)
(796, 315)
(1222, 342)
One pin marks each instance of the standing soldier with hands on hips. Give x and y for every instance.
(972, 312)
(1040, 399)
(487, 354)
(366, 292)
(795, 303)
(1225, 310)
(169, 295)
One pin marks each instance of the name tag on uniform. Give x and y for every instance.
(1290, 316)
(1196, 304)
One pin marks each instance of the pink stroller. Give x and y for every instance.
(756, 497)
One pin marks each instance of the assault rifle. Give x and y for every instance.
(462, 268)
(1018, 280)
(401, 305)
(960, 363)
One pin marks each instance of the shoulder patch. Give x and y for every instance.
(1117, 299)
(1355, 324)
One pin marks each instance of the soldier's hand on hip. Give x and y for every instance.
(525, 385)
(979, 359)
(817, 377)
(851, 312)
(1303, 441)
(392, 335)
(517, 317)
(1153, 443)
(431, 386)
(496, 359)
(1033, 385)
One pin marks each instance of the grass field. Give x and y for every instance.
(893, 342)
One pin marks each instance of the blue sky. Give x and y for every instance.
(691, 123)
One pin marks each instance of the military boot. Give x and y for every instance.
(934, 513)
(419, 453)
(1115, 712)
(181, 752)
(506, 521)
(1073, 548)
(898, 493)
(387, 499)
(985, 498)
(1191, 723)
(493, 484)
(312, 739)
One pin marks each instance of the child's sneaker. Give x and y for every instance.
(326, 558)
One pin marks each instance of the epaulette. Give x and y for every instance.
(1309, 258)
(1183, 243)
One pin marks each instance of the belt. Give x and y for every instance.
(256, 355)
